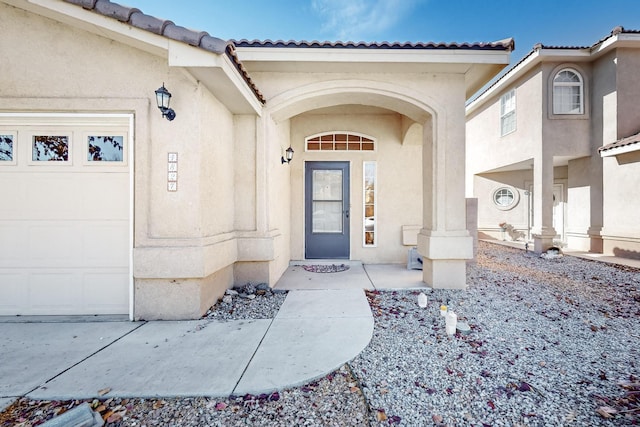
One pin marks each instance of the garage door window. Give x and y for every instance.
(105, 148)
(6, 149)
(50, 148)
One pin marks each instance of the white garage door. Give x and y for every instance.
(64, 214)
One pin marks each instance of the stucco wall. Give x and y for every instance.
(486, 148)
(399, 181)
(566, 134)
(186, 234)
(415, 96)
(621, 231)
(490, 215)
(628, 64)
(517, 215)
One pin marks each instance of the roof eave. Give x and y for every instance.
(618, 38)
(218, 74)
(610, 152)
(532, 59)
(369, 56)
(478, 65)
(216, 69)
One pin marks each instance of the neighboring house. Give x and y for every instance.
(109, 208)
(553, 151)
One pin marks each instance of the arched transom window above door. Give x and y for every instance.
(340, 141)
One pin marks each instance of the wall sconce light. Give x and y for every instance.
(163, 97)
(288, 155)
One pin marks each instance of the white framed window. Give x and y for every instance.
(50, 148)
(568, 92)
(370, 214)
(7, 148)
(105, 148)
(505, 198)
(508, 112)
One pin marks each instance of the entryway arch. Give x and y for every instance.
(419, 107)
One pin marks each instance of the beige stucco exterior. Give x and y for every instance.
(550, 155)
(237, 213)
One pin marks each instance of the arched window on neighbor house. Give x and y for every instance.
(568, 92)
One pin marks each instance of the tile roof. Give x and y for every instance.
(165, 28)
(630, 140)
(506, 44)
(203, 40)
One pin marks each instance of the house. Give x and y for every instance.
(552, 148)
(268, 152)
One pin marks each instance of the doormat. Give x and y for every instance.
(326, 268)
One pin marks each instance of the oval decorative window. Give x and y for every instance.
(505, 198)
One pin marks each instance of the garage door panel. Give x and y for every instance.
(101, 201)
(13, 291)
(105, 245)
(54, 244)
(13, 196)
(53, 197)
(106, 292)
(54, 291)
(13, 247)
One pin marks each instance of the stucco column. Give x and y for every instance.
(543, 232)
(444, 242)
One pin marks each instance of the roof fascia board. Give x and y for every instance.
(620, 150)
(346, 55)
(618, 40)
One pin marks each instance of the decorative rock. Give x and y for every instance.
(227, 299)
(231, 292)
(463, 328)
(82, 416)
(321, 268)
(422, 300)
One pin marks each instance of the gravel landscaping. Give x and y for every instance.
(552, 342)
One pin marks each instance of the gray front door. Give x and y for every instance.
(326, 210)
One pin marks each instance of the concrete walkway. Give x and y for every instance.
(324, 322)
(319, 327)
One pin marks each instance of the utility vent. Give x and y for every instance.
(415, 260)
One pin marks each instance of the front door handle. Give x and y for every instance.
(346, 213)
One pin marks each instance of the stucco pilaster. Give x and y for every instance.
(444, 241)
(262, 177)
(543, 231)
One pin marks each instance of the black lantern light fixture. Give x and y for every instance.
(163, 97)
(288, 155)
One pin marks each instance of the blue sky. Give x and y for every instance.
(551, 22)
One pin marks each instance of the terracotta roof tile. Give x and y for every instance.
(114, 10)
(87, 4)
(185, 35)
(148, 23)
(507, 44)
(630, 140)
(165, 28)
